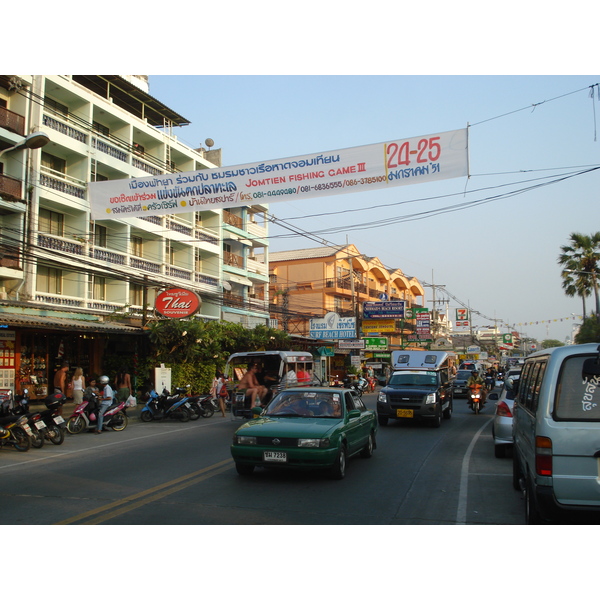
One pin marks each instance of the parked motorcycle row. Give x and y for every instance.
(177, 406)
(23, 429)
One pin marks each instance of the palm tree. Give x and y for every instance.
(581, 259)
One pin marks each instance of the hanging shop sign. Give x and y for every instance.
(360, 169)
(177, 303)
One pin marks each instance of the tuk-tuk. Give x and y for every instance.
(274, 372)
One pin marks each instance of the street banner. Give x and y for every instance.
(358, 169)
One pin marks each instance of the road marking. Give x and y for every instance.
(461, 512)
(158, 492)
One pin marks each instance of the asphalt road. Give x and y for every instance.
(173, 473)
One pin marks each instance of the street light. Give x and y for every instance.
(34, 140)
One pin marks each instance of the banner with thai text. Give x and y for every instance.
(359, 169)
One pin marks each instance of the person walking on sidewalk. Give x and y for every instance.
(107, 400)
(78, 383)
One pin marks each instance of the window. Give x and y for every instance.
(56, 107)
(49, 280)
(530, 384)
(197, 260)
(137, 244)
(99, 235)
(51, 222)
(576, 399)
(198, 219)
(97, 289)
(54, 163)
(136, 294)
(101, 129)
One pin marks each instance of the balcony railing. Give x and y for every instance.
(12, 121)
(67, 130)
(57, 243)
(62, 183)
(231, 219)
(10, 187)
(233, 260)
(110, 150)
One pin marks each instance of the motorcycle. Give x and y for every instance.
(14, 431)
(202, 406)
(84, 417)
(55, 423)
(490, 382)
(476, 399)
(360, 385)
(166, 406)
(38, 427)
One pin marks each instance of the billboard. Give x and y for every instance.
(359, 169)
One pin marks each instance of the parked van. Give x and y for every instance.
(418, 388)
(556, 426)
(273, 369)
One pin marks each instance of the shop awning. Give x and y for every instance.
(65, 324)
(238, 279)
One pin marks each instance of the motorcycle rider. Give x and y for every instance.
(475, 384)
(107, 400)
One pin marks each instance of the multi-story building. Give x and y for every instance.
(65, 278)
(312, 282)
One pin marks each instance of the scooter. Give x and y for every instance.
(202, 406)
(84, 417)
(39, 429)
(55, 423)
(476, 399)
(14, 431)
(166, 406)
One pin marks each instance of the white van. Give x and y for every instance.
(556, 427)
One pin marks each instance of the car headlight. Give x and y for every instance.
(313, 443)
(245, 440)
(430, 399)
(382, 397)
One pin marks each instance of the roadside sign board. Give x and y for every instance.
(354, 344)
(393, 309)
(379, 326)
(376, 343)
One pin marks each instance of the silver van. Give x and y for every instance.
(556, 428)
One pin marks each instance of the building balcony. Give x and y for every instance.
(233, 260)
(234, 220)
(12, 121)
(11, 187)
(60, 182)
(68, 130)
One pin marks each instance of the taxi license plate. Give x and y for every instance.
(274, 456)
(405, 412)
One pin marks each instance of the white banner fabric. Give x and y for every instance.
(358, 169)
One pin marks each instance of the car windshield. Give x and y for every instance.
(412, 378)
(326, 405)
(463, 375)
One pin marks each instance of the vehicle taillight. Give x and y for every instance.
(543, 456)
(502, 410)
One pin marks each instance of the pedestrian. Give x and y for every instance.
(60, 382)
(60, 379)
(78, 383)
(123, 385)
(221, 391)
(107, 400)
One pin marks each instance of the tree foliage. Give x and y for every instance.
(195, 350)
(589, 330)
(580, 271)
(551, 344)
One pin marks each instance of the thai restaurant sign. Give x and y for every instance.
(177, 303)
(359, 169)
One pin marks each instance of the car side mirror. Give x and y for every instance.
(354, 414)
(493, 396)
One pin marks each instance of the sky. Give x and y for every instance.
(531, 138)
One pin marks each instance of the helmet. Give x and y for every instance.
(104, 379)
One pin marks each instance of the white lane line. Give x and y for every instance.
(461, 512)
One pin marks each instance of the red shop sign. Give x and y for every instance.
(177, 303)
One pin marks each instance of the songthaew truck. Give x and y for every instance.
(418, 388)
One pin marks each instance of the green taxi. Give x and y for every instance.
(307, 428)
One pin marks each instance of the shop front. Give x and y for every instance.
(34, 347)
